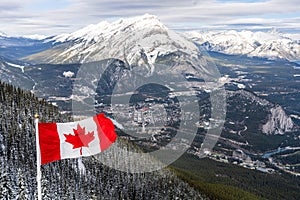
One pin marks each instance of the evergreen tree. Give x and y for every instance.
(63, 179)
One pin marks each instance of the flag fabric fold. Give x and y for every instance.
(75, 139)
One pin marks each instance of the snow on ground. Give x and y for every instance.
(68, 74)
(241, 86)
(16, 66)
(117, 124)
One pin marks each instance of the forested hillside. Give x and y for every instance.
(67, 179)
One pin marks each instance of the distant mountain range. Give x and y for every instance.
(18, 47)
(271, 45)
(147, 38)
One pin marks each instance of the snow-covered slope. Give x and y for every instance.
(272, 44)
(133, 40)
(2, 34)
(13, 72)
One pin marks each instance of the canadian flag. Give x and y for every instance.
(75, 139)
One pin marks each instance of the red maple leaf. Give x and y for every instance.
(80, 139)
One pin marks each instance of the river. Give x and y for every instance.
(279, 150)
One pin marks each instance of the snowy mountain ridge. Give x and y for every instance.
(271, 45)
(105, 29)
(136, 40)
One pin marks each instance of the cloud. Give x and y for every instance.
(9, 5)
(70, 15)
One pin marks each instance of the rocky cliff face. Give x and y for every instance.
(278, 122)
(271, 119)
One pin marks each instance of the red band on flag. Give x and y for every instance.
(106, 131)
(49, 142)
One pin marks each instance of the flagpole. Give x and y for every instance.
(38, 158)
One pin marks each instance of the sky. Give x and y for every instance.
(52, 17)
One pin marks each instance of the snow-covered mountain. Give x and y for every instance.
(18, 47)
(6, 41)
(272, 44)
(142, 39)
(2, 34)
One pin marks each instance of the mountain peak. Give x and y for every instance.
(142, 39)
(2, 34)
(274, 31)
(146, 16)
(104, 28)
